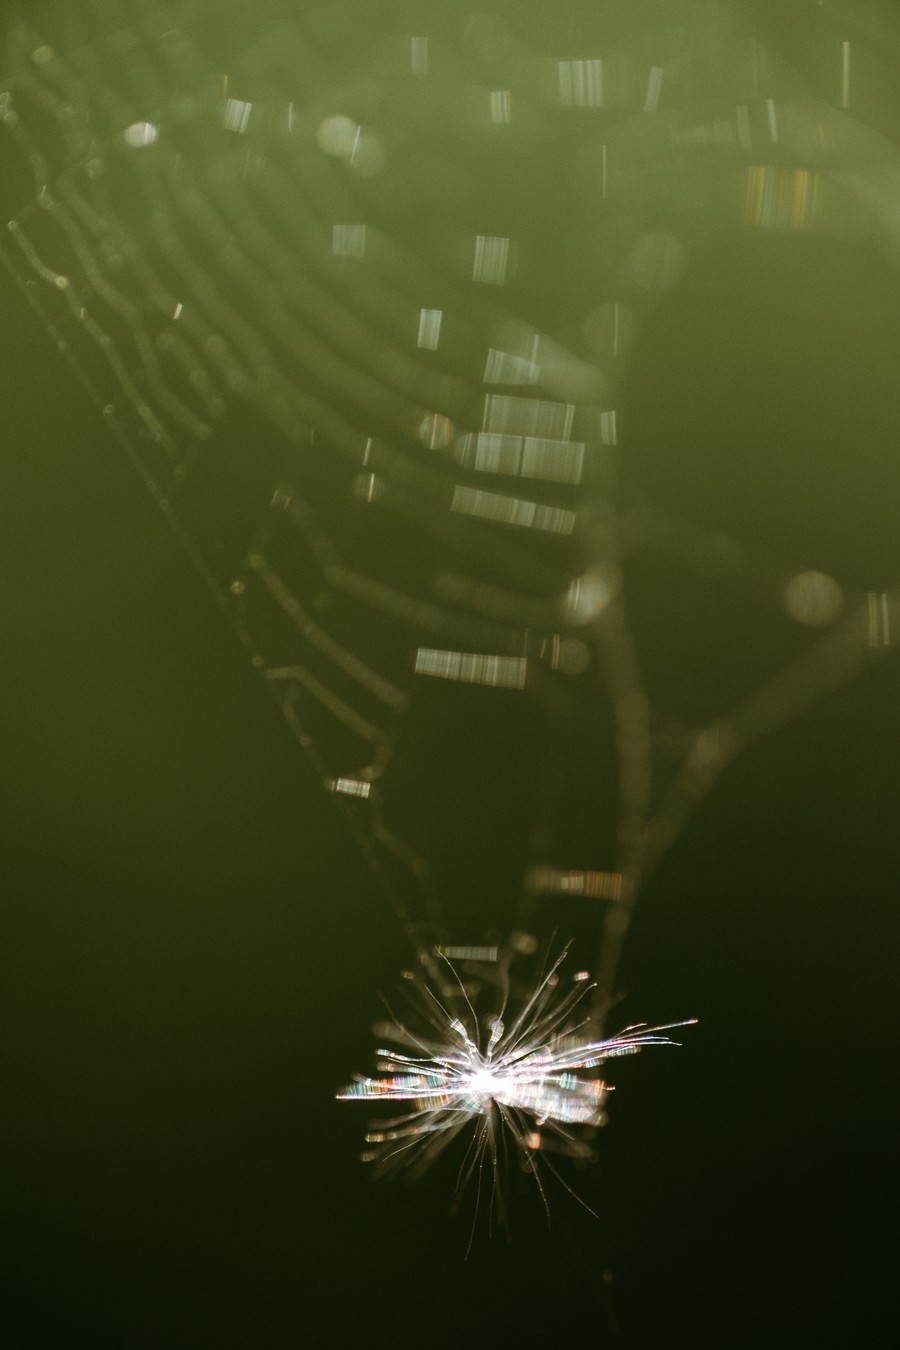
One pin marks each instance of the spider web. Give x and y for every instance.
(358, 300)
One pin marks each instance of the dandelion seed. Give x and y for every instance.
(526, 1076)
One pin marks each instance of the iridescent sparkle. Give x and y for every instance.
(525, 1075)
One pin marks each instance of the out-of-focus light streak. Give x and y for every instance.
(592, 885)
(507, 368)
(581, 84)
(435, 431)
(236, 115)
(742, 122)
(528, 416)
(654, 89)
(772, 118)
(419, 55)
(879, 619)
(538, 457)
(140, 134)
(351, 787)
(500, 672)
(780, 198)
(429, 329)
(501, 106)
(609, 330)
(516, 511)
(491, 261)
(469, 953)
(348, 241)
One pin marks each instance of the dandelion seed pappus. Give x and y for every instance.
(523, 1076)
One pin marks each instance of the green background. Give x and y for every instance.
(192, 948)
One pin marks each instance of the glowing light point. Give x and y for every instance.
(337, 136)
(141, 134)
(813, 598)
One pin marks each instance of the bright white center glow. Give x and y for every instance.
(483, 1083)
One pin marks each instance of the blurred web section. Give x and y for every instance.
(359, 304)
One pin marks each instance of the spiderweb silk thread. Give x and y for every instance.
(358, 301)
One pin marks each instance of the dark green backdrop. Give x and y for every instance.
(192, 949)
